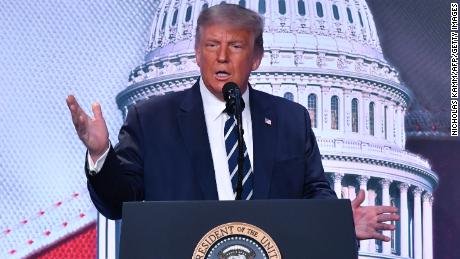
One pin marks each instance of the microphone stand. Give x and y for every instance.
(239, 124)
(234, 107)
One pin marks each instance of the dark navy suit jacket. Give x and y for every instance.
(164, 154)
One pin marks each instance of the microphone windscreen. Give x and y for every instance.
(229, 90)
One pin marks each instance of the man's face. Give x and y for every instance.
(226, 54)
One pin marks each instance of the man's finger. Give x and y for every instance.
(383, 226)
(386, 209)
(358, 200)
(387, 217)
(97, 110)
(70, 99)
(74, 108)
(81, 124)
(74, 115)
(380, 236)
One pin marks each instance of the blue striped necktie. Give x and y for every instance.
(231, 145)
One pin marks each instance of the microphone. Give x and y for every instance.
(234, 106)
(231, 93)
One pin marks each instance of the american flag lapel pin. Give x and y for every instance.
(268, 121)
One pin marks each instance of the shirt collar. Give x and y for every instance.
(213, 106)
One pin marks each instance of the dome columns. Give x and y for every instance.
(417, 192)
(404, 214)
(427, 205)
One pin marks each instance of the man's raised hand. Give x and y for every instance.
(369, 220)
(93, 132)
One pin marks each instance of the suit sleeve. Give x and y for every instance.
(316, 185)
(121, 178)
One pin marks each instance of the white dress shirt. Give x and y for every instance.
(215, 118)
(215, 121)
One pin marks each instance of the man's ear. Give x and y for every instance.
(256, 61)
(197, 56)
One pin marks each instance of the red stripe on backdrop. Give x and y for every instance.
(81, 245)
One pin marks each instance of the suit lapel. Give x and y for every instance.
(264, 140)
(192, 126)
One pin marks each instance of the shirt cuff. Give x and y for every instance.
(95, 167)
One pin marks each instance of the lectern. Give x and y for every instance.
(288, 229)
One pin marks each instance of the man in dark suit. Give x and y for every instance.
(174, 147)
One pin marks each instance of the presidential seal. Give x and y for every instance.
(236, 240)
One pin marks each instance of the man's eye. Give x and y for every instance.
(211, 45)
(237, 46)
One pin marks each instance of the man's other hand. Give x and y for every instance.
(369, 220)
(93, 132)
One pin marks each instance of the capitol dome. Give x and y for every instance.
(325, 55)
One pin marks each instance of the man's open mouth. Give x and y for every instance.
(222, 75)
